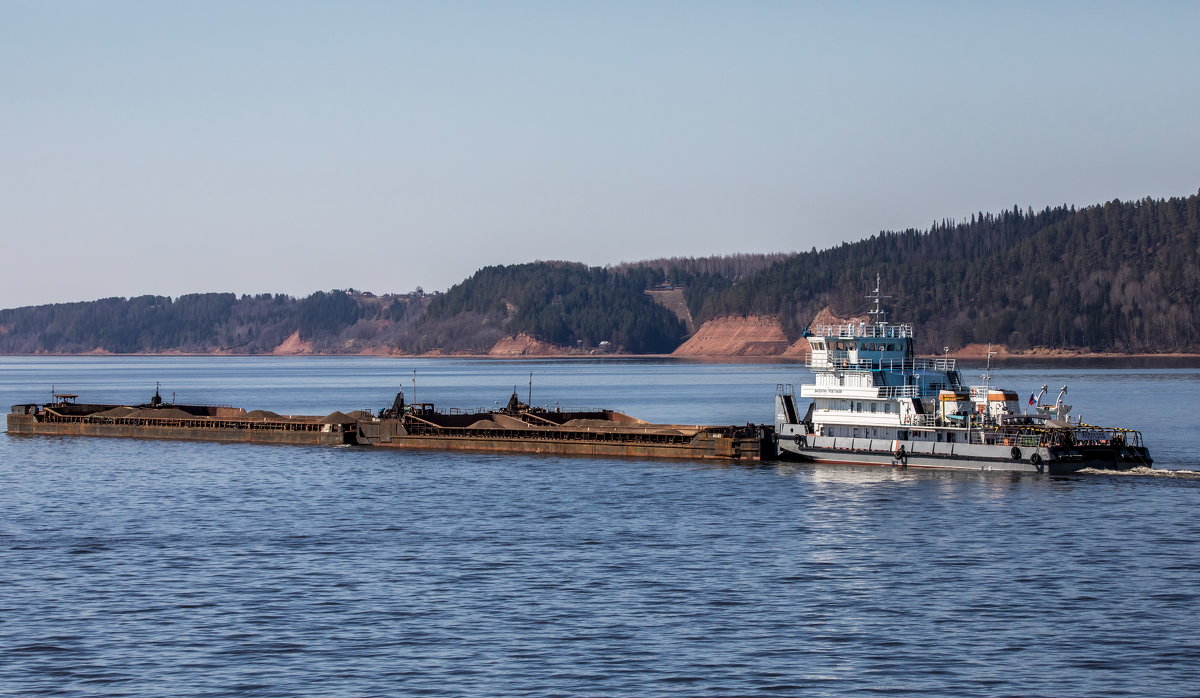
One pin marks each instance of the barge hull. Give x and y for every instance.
(637, 441)
(728, 444)
(27, 425)
(717, 449)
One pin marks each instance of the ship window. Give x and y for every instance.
(872, 407)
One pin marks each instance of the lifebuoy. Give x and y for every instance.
(1016, 453)
(1035, 459)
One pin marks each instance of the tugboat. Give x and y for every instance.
(875, 402)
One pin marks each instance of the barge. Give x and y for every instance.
(520, 428)
(158, 420)
(516, 428)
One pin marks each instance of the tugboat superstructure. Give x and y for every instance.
(874, 402)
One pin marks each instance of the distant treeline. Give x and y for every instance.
(203, 322)
(1122, 276)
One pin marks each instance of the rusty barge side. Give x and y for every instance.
(514, 429)
(521, 428)
(225, 425)
(702, 443)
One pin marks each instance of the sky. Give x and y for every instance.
(287, 147)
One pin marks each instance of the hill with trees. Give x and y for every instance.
(328, 322)
(1117, 277)
(563, 303)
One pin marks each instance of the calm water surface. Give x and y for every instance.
(149, 568)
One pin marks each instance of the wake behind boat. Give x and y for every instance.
(874, 402)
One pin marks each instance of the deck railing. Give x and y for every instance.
(883, 364)
(862, 329)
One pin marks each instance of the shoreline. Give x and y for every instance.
(960, 355)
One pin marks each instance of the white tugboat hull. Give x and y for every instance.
(958, 456)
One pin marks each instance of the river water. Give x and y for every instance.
(147, 568)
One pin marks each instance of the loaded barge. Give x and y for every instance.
(517, 428)
(159, 420)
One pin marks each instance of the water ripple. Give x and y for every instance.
(145, 569)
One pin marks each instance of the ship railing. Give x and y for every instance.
(863, 329)
(900, 391)
(883, 364)
(979, 393)
(1034, 437)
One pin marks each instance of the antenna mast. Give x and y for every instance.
(987, 373)
(878, 312)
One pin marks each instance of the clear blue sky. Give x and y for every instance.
(177, 147)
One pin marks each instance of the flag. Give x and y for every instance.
(1031, 399)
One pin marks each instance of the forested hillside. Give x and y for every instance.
(702, 277)
(1122, 276)
(1119, 277)
(565, 303)
(211, 322)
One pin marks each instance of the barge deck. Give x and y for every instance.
(518, 428)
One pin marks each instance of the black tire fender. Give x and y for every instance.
(1016, 453)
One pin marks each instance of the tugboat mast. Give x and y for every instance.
(878, 312)
(987, 372)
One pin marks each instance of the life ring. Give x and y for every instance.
(1035, 459)
(899, 453)
(1016, 453)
